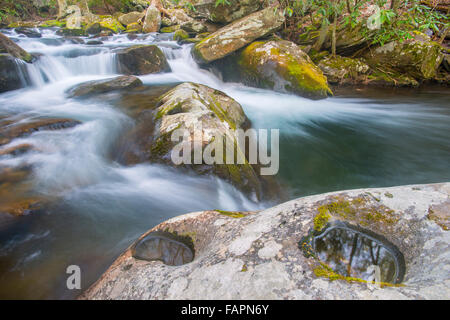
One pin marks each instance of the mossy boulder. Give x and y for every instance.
(416, 58)
(7, 46)
(10, 73)
(134, 28)
(90, 88)
(53, 23)
(194, 27)
(111, 23)
(342, 70)
(282, 66)
(142, 59)
(152, 20)
(180, 35)
(204, 113)
(132, 17)
(237, 35)
(224, 13)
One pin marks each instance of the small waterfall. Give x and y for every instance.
(49, 69)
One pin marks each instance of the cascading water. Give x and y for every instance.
(102, 206)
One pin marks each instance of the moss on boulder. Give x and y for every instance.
(237, 35)
(281, 65)
(418, 58)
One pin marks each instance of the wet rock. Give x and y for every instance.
(30, 33)
(10, 73)
(23, 129)
(94, 42)
(344, 70)
(94, 28)
(202, 112)
(237, 35)
(257, 255)
(71, 32)
(416, 58)
(152, 20)
(134, 28)
(7, 46)
(142, 59)
(280, 65)
(52, 23)
(224, 13)
(132, 17)
(76, 40)
(101, 86)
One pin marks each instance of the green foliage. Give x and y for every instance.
(397, 20)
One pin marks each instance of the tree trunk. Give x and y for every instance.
(333, 37)
(62, 5)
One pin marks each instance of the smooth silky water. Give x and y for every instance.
(367, 138)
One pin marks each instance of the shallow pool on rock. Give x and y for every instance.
(355, 252)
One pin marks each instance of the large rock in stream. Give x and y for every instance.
(141, 60)
(265, 255)
(276, 64)
(12, 72)
(237, 35)
(204, 114)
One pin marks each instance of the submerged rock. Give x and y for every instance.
(344, 70)
(224, 13)
(237, 35)
(142, 59)
(29, 32)
(101, 86)
(23, 129)
(280, 65)
(260, 255)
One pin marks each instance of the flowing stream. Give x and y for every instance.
(359, 138)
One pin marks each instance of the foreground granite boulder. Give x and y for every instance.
(257, 255)
(279, 65)
(142, 59)
(237, 35)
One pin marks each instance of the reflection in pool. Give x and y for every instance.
(352, 251)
